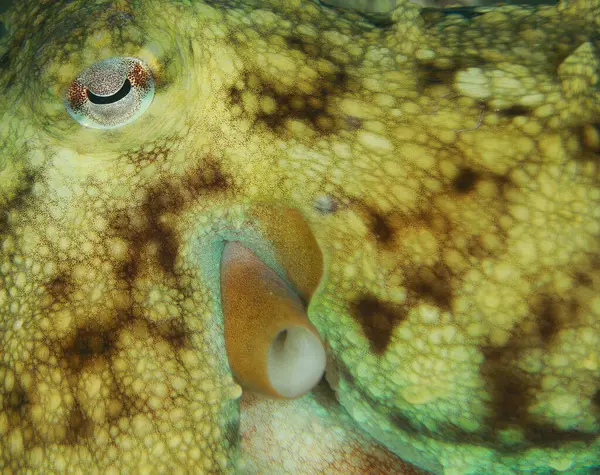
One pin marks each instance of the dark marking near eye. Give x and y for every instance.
(11, 76)
(292, 104)
(381, 228)
(18, 201)
(158, 203)
(380, 225)
(310, 108)
(465, 180)
(119, 19)
(167, 198)
(515, 111)
(431, 285)
(4, 61)
(377, 320)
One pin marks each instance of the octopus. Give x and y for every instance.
(284, 236)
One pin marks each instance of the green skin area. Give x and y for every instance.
(446, 164)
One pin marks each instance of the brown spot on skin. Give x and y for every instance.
(590, 136)
(583, 279)
(431, 75)
(168, 197)
(313, 109)
(235, 96)
(88, 344)
(60, 287)
(18, 200)
(384, 227)
(509, 388)
(475, 247)
(465, 181)
(514, 111)
(381, 228)
(547, 319)
(79, 427)
(377, 320)
(504, 184)
(158, 203)
(16, 399)
(173, 331)
(311, 50)
(554, 314)
(432, 285)
(596, 400)
(512, 392)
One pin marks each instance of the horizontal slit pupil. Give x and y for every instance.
(117, 96)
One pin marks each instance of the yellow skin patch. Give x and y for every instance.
(446, 164)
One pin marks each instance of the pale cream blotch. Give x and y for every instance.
(420, 187)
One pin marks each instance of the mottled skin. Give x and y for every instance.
(446, 164)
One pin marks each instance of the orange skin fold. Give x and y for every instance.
(258, 307)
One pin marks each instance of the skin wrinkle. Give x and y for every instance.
(444, 166)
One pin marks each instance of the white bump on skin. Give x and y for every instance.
(375, 143)
(473, 83)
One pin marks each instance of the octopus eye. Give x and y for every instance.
(110, 93)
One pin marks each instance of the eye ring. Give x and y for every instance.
(110, 93)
